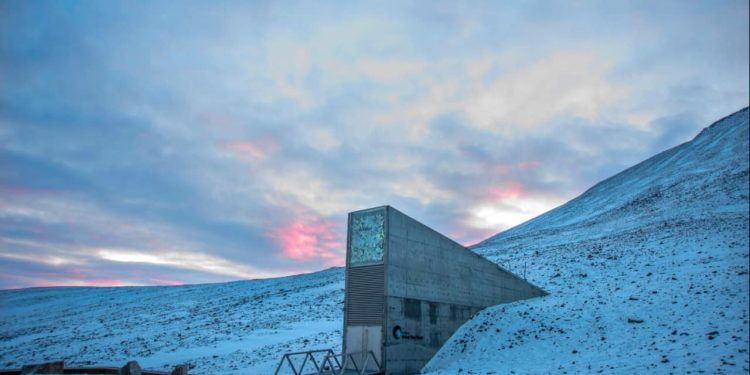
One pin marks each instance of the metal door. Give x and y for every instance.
(362, 339)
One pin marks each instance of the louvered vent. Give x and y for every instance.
(365, 295)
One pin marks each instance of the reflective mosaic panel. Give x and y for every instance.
(367, 237)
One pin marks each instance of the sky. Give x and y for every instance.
(161, 143)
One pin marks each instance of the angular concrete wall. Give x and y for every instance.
(433, 286)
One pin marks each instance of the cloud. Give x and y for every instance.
(254, 149)
(233, 143)
(509, 191)
(45, 258)
(392, 70)
(509, 210)
(310, 239)
(182, 259)
(571, 83)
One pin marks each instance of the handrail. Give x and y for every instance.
(309, 355)
(351, 357)
(330, 359)
(327, 359)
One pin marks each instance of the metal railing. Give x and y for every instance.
(330, 363)
(366, 358)
(309, 358)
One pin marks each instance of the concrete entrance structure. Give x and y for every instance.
(408, 288)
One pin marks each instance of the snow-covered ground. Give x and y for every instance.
(229, 328)
(648, 273)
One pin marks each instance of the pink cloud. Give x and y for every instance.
(255, 149)
(310, 238)
(511, 190)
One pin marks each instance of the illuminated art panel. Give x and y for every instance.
(367, 237)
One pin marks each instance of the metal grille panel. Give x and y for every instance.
(365, 295)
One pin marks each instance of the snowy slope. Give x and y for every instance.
(665, 242)
(647, 270)
(227, 328)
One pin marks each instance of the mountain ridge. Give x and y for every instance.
(647, 272)
(666, 154)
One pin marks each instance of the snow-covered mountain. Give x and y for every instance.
(647, 270)
(240, 327)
